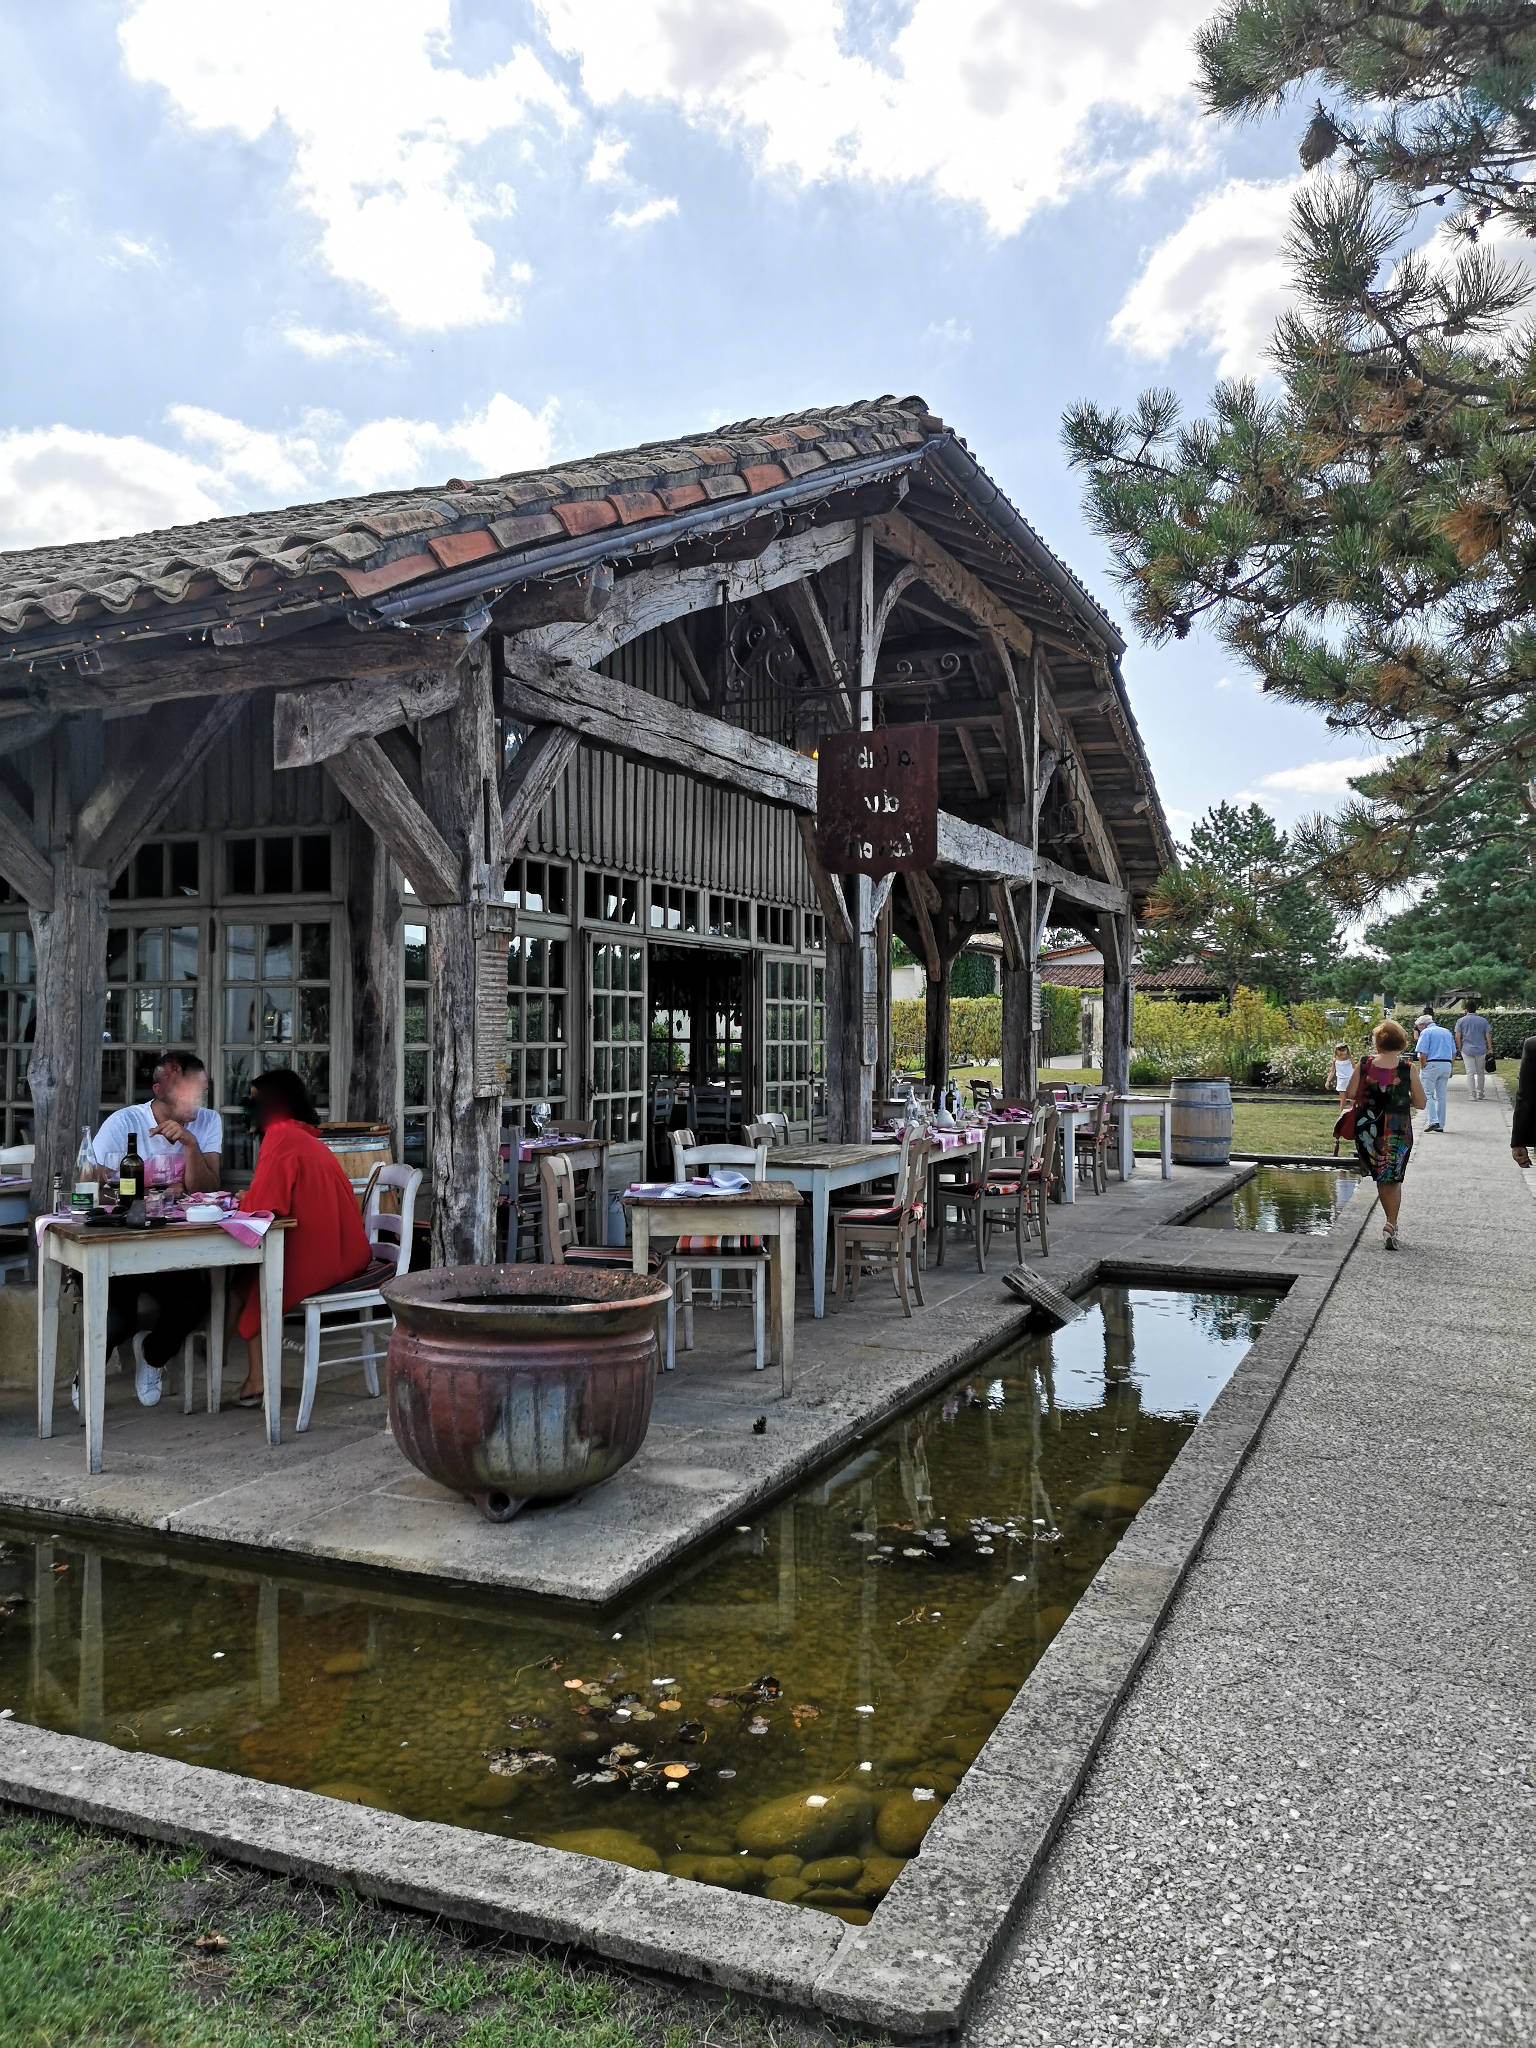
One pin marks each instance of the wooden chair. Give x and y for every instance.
(389, 1239)
(773, 1120)
(1002, 1189)
(712, 1112)
(1042, 1168)
(1091, 1146)
(562, 1245)
(746, 1256)
(889, 1231)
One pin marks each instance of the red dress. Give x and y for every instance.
(296, 1175)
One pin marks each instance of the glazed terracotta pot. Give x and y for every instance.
(519, 1383)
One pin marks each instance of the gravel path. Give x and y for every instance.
(1314, 1820)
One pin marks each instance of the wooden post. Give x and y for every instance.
(1117, 936)
(1020, 993)
(459, 768)
(883, 937)
(374, 920)
(853, 973)
(65, 1070)
(936, 1026)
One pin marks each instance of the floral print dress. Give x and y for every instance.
(1384, 1121)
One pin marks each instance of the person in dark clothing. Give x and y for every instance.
(1522, 1130)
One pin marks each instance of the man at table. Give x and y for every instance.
(299, 1176)
(180, 1140)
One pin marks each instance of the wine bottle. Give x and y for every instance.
(130, 1173)
(83, 1196)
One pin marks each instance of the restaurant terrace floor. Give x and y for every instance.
(721, 1440)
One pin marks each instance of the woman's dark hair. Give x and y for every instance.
(281, 1089)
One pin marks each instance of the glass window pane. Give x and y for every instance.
(533, 1019)
(149, 870)
(555, 1078)
(143, 1074)
(315, 1073)
(600, 1069)
(557, 963)
(277, 1016)
(24, 970)
(114, 1024)
(239, 1017)
(149, 955)
(184, 868)
(415, 952)
(533, 1066)
(556, 1018)
(414, 1137)
(515, 1021)
(277, 952)
(415, 1019)
(315, 952)
(182, 1016)
(277, 866)
(237, 1076)
(24, 1020)
(183, 962)
(537, 958)
(599, 966)
(557, 891)
(315, 863)
(240, 952)
(271, 1061)
(149, 1016)
(240, 867)
(114, 1077)
(314, 1015)
(415, 1077)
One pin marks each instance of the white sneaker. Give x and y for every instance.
(146, 1377)
(74, 1393)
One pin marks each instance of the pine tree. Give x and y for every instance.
(1366, 538)
(1238, 904)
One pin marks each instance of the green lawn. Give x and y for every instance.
(100, 1945)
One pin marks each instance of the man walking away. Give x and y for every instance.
(1522, 1129)
(1474, 1041)
(1436, 1051)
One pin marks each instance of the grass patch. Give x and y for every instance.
(1284, 1126)
(99, 1945)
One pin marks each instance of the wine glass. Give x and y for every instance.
(538, 1116)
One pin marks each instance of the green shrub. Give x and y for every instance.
(1060, 1028)
(1299, 1066)
(975, 1030)
(1511, 1028)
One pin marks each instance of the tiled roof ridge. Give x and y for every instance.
(449, 523)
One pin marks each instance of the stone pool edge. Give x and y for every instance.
(913, 1969)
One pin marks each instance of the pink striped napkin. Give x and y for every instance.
(248, 1226)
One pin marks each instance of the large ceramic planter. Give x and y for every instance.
(519, 1383)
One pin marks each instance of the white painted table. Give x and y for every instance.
(816, 1170)
(1073, 1116)
(102, 1254)
(1127, 1106)
(15, 1197)
(765, 1209)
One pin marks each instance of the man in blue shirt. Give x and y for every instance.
(1436, 1052)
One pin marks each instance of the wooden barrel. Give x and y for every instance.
(1201, 1121)
(358, 1147)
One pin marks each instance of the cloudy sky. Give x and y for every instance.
(266, 252)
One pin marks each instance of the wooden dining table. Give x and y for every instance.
(764, 1208)
(101, 1254)
(817, 1171)
(587, 1155)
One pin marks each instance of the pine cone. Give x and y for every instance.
(1320, 140)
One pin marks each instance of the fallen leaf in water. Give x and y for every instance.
(575, 1684)
(670, 1706)
(805, 1712)
(693, 1731)
(519, 1722)
(675, 1771)
(550, 1664)
(621, 1752)
(510, 1763)
(61, 1567)
(757, 1725)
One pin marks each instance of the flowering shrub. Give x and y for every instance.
(1299, 1066)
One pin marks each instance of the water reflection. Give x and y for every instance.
(1303, 1201)
(808, 1693)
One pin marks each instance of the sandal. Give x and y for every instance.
(1389, 1237)
(249, 1400)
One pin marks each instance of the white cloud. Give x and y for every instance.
(1322, 779)
(59, 484)
(1217, 283)
(326, 346)
(382, 127)
(1006, 108)
(605, 166)
(128, 249)
(641, 216)
(954, 333)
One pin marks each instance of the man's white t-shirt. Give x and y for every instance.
(111, 1141)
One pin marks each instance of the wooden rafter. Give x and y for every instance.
(829, 890)
(375, 789)
(131, 797)
(922, 918)
(528, 779)
(972, 755)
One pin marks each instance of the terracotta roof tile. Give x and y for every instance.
(524, 528)
(369, 582)
(453, 548)
(799, 461)
(723, 487)
(762, 476)
(585, 515)
(633, 505)
(680, 496)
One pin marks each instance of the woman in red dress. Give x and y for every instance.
(298, 1176)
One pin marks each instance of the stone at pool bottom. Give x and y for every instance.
(903, 1821)
(612, 1845)
(817, 1822)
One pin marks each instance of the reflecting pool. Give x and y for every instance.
(1302, 1200)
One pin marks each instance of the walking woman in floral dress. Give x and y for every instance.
(1386, 1093)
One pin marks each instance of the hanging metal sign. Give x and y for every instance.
(495, 926)
(877, 800)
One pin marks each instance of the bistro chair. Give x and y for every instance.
(884, 1232)
(774, 1120)
(562, 1246)
(717, 1256)
(389, 1239)
(1041, 1172)
(1091, 1146)
(1002, 1189)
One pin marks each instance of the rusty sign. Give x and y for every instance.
(877, 800)
(495, 927)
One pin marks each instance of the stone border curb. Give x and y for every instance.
(913, 1969)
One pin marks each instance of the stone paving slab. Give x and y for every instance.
(1314, 1819)
(343, 1493)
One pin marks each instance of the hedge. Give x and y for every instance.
(1511, 1028)
(976, 1027)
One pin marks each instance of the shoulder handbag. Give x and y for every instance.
(1490, 1064)
(1345, 1126)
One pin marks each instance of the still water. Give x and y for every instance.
(1303, 1200)
(786, 1716)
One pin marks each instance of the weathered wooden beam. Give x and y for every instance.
(890, 597)
(650, 597)
(950, 580)
(374, 919)
(375, 789)
(25, 730)
(973, 761)
(28, 870)
(144, 776)
(688, 662)
(804, 607)
(308, 726)
(1045, 899)
(880, 895)
(829, 890)
(932, 960)
(528, 779)
(1015, 952)
(329, 654)
(573, 600)
(1043, 776)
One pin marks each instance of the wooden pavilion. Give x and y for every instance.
(459, 798)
